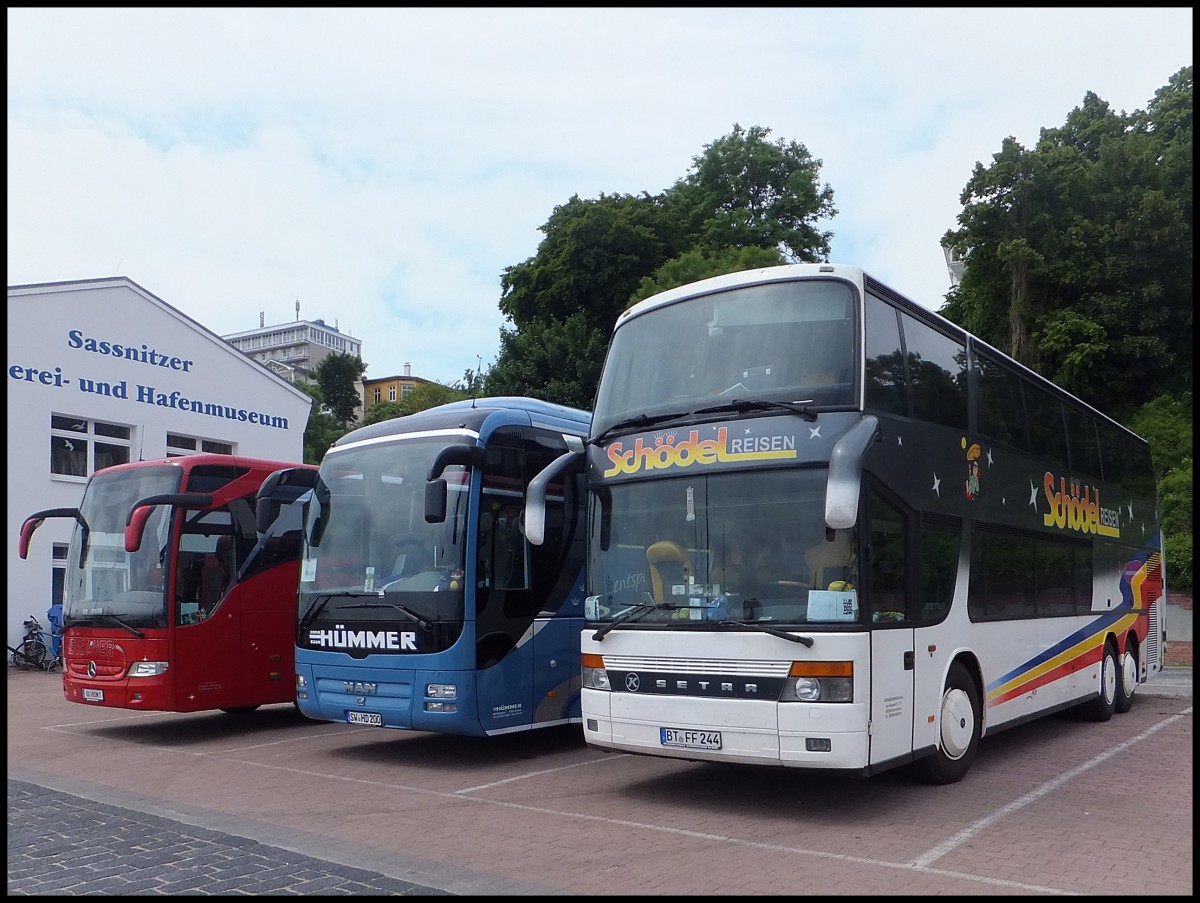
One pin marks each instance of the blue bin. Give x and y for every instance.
(54, 616)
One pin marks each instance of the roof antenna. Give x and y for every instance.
(475, 380)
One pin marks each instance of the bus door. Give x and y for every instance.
(504, 602)
(208, 648)
(887, 598)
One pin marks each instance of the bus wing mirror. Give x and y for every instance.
(281, 488)
(566, 464)
(845, 473)
(135, 523)
(435, 501)
(36, 519)
(468, 456)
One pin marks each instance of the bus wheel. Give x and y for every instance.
(958, 730)
(240, 710)
(1102, 706)
(1127, 679)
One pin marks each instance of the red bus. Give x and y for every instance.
(178, 598)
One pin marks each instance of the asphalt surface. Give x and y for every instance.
(65, 844)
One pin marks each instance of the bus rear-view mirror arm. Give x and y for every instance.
(139, 513)
(845, 473)
(281, 488)
(566, 464)
(36, 519)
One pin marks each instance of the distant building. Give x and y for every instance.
(390, 388)
(102, 372)
(954, 265)
(293, 350)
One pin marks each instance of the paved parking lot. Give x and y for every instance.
(107, 801)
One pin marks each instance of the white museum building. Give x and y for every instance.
(102, 372)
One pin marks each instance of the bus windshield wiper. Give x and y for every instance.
(741, 405)
(638, 608)
(407, 612)
(642, 420)
(127, 626)
(321, 601)
(804, 640)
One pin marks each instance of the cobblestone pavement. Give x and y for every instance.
(67, 845)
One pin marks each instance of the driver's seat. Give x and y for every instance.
(674, 558)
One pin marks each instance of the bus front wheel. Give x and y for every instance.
(959, 724)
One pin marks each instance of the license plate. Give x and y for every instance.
(92, 695)
(673, 736)
(372, 718)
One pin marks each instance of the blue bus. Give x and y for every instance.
(422, 606)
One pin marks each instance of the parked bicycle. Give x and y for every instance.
(37, 651)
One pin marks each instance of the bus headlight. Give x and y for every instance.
(147, 669)
(819, 682)
(301, 682)
(594, 675)
(441, 691)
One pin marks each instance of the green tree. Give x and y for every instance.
(1079, 251)
(322, 429)
(1079, 264)
(558, 362)
(339, 376)
(747, 202)
(747, 191)
(701, 263)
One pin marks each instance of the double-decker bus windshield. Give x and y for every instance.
(739, 547)
(369, 553)
(104, 583)
(784, 341)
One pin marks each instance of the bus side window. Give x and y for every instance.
(887, 570)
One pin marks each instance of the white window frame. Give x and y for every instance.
(87, 433)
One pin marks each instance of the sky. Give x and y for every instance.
(384, 167)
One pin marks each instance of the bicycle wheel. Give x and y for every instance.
(31, 654)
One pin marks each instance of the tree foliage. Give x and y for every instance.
(339, 376)
(554, 361)
(322, 429)
(1079, 251)
(746, 191)
(1079, 264)
(746, 202)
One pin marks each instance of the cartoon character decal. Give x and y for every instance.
(973, 453)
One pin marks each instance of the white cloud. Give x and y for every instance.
(384, 167)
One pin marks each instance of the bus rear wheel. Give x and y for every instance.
(1127, 679)
(959, 726)
(240, 710)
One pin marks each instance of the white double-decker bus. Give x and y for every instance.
(829, 529)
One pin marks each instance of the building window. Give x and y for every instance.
(392, 392)
(407, 390)
(376, 394)
(79, 447)
(179, 445)
(58, 573)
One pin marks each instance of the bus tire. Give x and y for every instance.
(1104, 703)
(959, 728)
(240, 710)
(1127, 679)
